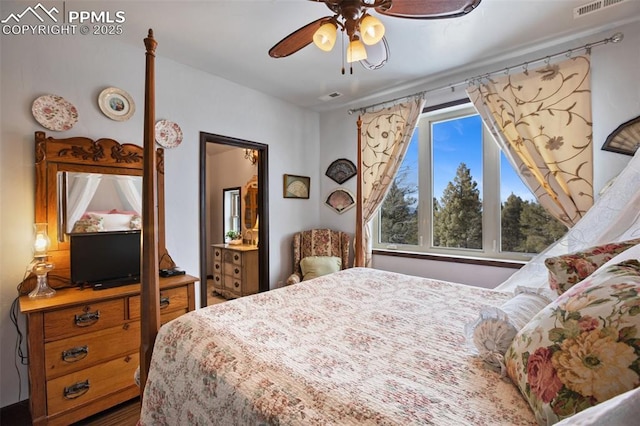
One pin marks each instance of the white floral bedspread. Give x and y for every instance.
(356, 347)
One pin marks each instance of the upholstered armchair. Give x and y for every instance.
(321, 244)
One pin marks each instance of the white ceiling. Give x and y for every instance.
(231, 39)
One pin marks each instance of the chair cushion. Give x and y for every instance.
(316, 266)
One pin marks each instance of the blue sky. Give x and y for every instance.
(454, 142)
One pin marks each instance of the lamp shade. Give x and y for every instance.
(325, 36)
(371, 30)
(356, 51)
(41, 240)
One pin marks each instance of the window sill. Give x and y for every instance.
(512, 264)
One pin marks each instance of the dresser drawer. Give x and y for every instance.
(79, 352)
(233, 270)
(217, 282)
(174, 299)
(91, 384)
(82, 319)
(232, 256)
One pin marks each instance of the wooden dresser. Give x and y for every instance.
(84, 347)
(235, 270)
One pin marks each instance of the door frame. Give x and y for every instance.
(263, 207)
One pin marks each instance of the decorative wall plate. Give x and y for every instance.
(625, 139)
(54, 112)
(340, 200)
(168, 134)
(116, 104)
(341, 170)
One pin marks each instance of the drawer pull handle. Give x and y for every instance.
(236, 284)
(164, 302)
(76, 390)
(87, 319)
(237, 271)
(75, 354)
(236, 257)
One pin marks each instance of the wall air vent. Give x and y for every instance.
(594, 6)
(330, 96)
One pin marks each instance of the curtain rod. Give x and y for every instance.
(617, 37)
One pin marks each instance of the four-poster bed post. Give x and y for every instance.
(360, 257)
(150, 291)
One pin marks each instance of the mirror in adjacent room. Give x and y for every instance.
(231, 207)
(97, 202)
(251, 204)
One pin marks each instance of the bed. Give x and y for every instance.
(363, 346)
(356, 347)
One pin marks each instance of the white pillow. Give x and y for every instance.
(115, 221)
(492, 333)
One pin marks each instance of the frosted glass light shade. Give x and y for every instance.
(41, 240)
(371, 30)
(325, 36)
(356, 51)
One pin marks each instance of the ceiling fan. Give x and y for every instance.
(365, 33)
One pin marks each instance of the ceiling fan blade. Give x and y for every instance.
(429, 9)
(297, 39)
(377, 55)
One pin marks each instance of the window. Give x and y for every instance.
(456, 194)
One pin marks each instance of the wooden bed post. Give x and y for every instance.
(359, 259)
(150, 291)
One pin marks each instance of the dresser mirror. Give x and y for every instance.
(99, 202)
(60, 162)
(251, 203)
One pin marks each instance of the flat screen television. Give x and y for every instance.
(105, 259)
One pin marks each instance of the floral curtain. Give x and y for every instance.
(542, 121)
(383, 138)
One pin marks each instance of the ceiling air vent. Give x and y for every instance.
(330, 96)
(594, 6)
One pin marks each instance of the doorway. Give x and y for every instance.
(262, 201)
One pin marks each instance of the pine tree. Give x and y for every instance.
(511, 235)
(399, 220)
(539, 228)
(458, 222)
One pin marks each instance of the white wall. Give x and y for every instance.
(78, 68)
(615, 99)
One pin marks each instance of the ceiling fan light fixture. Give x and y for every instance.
(371, 30)
(325, 36)
(356, 50)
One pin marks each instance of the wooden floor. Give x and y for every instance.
(125, 414)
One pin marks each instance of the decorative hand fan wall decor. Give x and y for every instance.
(365, 33)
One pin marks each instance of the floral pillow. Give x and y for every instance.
(583, 348)
(569, 269)
(88, 224)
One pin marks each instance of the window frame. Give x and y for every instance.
(491, 203)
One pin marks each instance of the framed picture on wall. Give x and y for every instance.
(296, 186)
